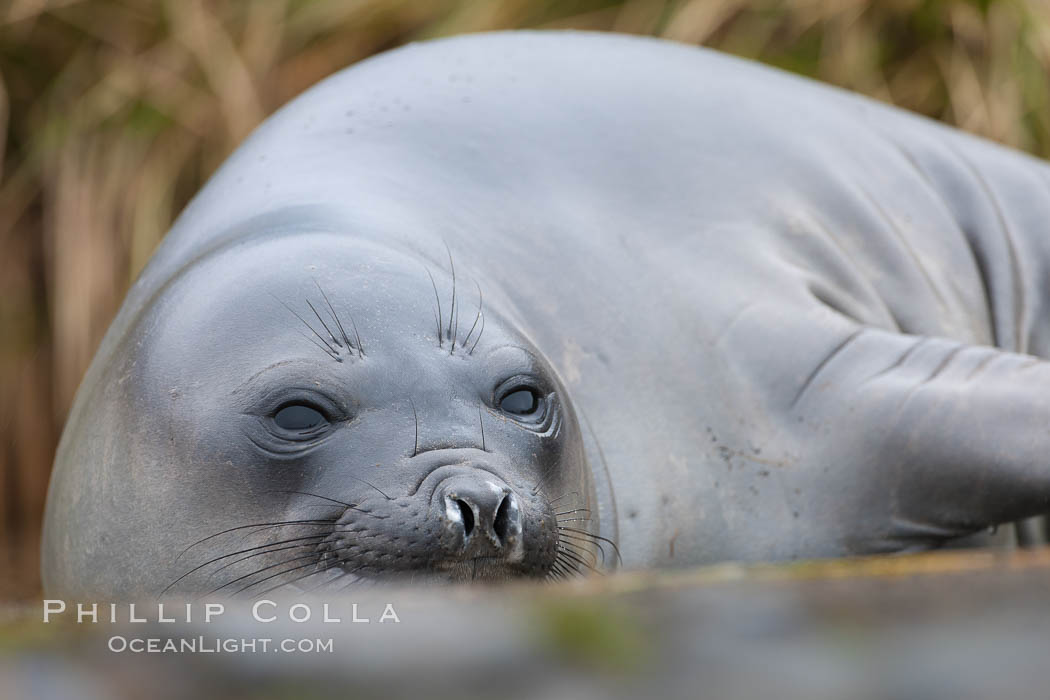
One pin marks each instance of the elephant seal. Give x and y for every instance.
(502, 304)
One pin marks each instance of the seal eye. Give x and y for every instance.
(298, 418)
(521, 401)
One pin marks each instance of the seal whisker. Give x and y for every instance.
(323, 324)
(437, 298)
(311, 573)
(581, 551)
(339, 323)
(342, 575)
(281, 523)
(476, 318)
(324, 349)
(452, 310)
(282, 584)
(481, 422)
(598, 545)
(415, 420)
(272, 576)
(356, 580)
(324, 584)
(562, 565)
(260, 547)
(357, 336)
(372, 486)
(575, 510)
(259, 554)
(331, 310)
(320, 337)
(234, 554)
(455, 332)
(578, 538)
(478, 339)
(579, 560)
(254, 554)
(574, 569)
(562, 568)
(553, 575)
(599, 559)
(359, 579)
(312, 555)
(539, 484)
(564, 495)
(571, 560)
(325, 505)
(352, 506)
(596, 538)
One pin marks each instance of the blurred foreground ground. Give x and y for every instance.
(946, 625)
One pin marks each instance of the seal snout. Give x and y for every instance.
(481, 518)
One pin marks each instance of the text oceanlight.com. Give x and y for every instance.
(217, 645)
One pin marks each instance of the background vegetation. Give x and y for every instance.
(114, 112)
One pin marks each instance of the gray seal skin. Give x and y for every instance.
(728, 313)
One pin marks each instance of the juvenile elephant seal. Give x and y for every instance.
(488, 306)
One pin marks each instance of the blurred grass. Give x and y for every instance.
(114, 112)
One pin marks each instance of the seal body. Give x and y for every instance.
(781, 320)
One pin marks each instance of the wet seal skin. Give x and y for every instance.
(531, 304)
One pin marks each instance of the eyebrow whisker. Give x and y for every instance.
(437, 298)
(476, 318)
(320, 337)
(478, 339)
(330, 333)
(326, 350)
(353, 324)
(339, 324)
(335, 316)
(452, 310)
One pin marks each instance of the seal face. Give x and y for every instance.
(360, 425)
(811, 331)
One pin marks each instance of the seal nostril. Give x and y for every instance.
(468, 517)
(501, 523)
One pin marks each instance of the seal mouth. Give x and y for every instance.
(473, 526)
(468, 517)
(491, 569)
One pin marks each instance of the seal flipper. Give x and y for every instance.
(955, 437)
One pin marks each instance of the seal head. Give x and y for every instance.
(315, 411)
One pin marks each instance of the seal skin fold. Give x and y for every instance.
(485, 307)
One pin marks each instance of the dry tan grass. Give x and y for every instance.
(115, 111)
